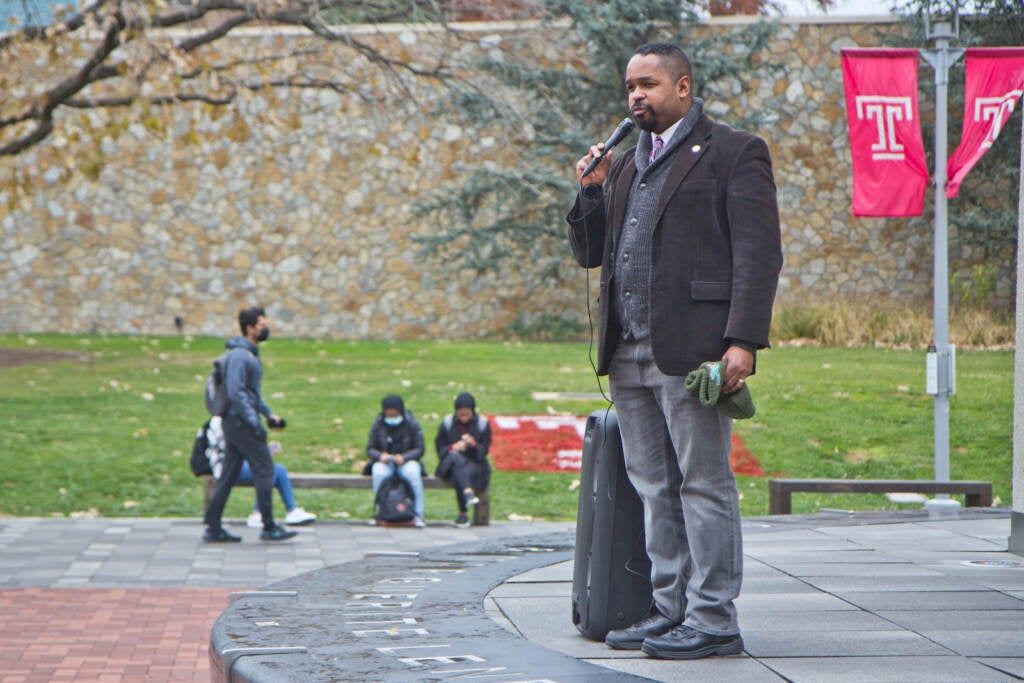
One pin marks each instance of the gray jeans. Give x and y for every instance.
(677, 457)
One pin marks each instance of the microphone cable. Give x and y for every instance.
(590, 325)
(639, 541)
(590, 346)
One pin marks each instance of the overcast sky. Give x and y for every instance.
(844, 8)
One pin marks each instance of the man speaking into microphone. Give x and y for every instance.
(685, 227)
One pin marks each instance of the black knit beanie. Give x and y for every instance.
(392, 401)
(465, 400)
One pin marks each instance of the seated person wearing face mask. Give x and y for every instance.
(396, 444)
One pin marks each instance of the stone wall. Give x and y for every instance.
(302, 200)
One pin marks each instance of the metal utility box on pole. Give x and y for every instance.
(941, 366)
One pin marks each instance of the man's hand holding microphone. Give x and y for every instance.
(594, 166)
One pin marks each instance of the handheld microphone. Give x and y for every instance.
(615, 138)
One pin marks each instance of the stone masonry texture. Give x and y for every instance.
(303, 200)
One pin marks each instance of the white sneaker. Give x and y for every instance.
(299, 517)
(255, 521)
(472, 499)
(418, 522)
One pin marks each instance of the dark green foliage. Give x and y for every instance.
(495, 216)
(546, 327)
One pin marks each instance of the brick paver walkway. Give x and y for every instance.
(107, 635)
(133, 600)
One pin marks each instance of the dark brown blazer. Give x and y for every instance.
(716, 251)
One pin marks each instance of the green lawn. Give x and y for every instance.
(109, 432)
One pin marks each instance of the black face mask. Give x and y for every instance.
(263, 335)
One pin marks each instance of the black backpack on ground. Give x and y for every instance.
(394, 501)
(199, 462)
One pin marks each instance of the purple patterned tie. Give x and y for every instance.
(659, 145)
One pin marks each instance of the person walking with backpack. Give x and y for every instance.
(244, 434)
(395, 447)
(463, 441)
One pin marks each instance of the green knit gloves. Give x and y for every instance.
(706, 383)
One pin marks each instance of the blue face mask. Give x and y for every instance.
(393, 421)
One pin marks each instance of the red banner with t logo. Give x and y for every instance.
(994, 82)
(890, 173)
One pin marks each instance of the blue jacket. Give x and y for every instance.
(244, 376)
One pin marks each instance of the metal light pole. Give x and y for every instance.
(941, 366)
(1015, 543)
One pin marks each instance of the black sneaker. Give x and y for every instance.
(278, 533)
(684, 642)
(633, 637)
(220, 536)
(462, 521)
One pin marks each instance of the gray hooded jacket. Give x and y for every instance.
(244, 376)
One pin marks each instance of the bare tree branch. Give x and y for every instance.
(215, 33)
(111, 40)
(70, 25)
(295, 81)
(42, 112)
(129, 52)
(127, 100)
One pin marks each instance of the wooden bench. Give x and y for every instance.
(481, 511)
(780, 491)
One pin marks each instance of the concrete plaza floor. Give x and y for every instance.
(827, 597)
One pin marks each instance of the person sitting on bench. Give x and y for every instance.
(463, 441)
(396, 445)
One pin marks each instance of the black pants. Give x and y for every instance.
(467, 474)
(243, 442)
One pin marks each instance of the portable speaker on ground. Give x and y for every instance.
(611, 586)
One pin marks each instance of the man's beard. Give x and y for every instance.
(649, 122)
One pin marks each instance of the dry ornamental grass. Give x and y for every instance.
(868, 321)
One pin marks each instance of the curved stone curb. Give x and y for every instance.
(395, 617)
